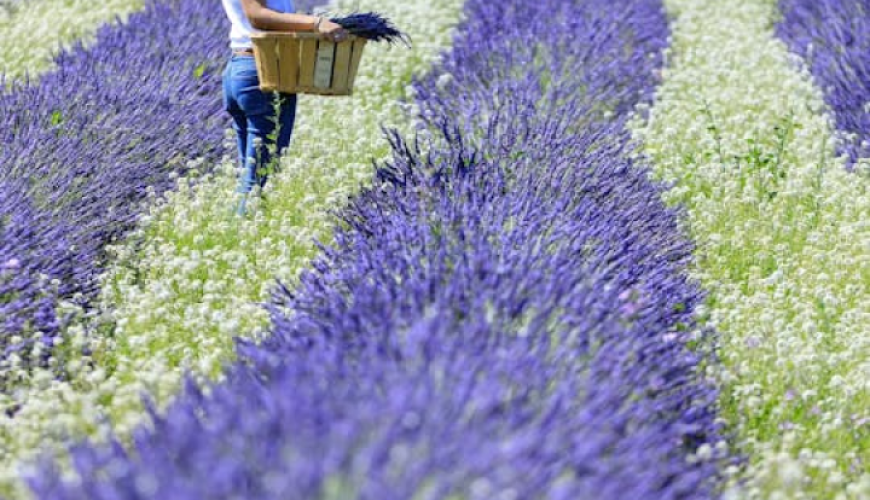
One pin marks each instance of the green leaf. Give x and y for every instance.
(199, 71)
(56, 118)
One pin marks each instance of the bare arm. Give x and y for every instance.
(266, 19)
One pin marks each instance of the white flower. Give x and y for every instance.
(443, 81)
(784, 257)
(29, 41)
(178, 298)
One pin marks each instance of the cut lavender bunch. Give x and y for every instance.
(372, 26)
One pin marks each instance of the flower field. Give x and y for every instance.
(560, 249)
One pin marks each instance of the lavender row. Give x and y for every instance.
(503, 316)
(82, 148)
(833, 36)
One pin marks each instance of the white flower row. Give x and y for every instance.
(32, 31)
(783, 233)
(191, 278)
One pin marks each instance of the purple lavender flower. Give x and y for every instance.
(84, 143)
(833, 36)
(12, 263)
(462, 337)
(372, 26)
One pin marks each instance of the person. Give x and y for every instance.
(254, 112)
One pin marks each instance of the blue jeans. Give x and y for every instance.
(254, 120)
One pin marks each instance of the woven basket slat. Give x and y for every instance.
(343, 53)
(306, 63)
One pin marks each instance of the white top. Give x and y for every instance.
(240, 33)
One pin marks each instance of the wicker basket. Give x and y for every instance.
(306, 63)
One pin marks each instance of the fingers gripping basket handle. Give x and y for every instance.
(306, 63)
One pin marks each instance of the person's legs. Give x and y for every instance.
(260, 127)
(254, 119)
(263, 141)
(286, 120)
(240, 121)
(240, 125)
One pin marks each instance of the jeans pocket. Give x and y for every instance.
(254, 101)
(246, 74)
(244, 68)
